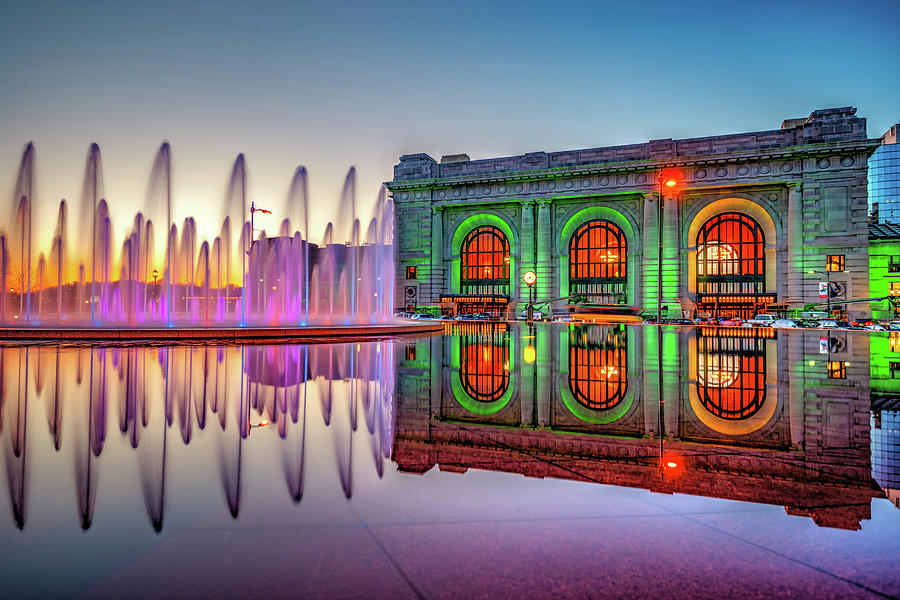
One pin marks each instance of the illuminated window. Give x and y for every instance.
(485, 262)
(894, 264)
(731, 256)
(410, 353)
(837, 369)
(895, 369)
(597, 255)
(598, 366)
(731, 375)
(411, 272)
(895, 288)
(834, 262)
(484, 366)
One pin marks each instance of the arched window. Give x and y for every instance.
(598, 366)
(485, 262)
(484, 366)
(597, 254)
(731, 256)
(731, 376)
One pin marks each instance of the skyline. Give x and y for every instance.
(331, 87)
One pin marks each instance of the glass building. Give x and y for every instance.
(884, 179)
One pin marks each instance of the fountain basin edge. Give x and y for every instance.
(233, 334)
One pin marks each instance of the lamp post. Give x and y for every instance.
(662, 181)
(827, 272)
(530, 278)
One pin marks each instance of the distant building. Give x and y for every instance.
(884, 179)
(752, 224)
(884, 268)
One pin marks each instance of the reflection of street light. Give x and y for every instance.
(529, 354)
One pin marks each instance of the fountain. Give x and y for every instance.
(162, 280)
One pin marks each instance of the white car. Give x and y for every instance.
(876, 327)
(827, 324)
(894, 325)
(785, 324)
(761, 321)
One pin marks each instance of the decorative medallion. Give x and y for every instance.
(457, 192)
(604, 181)
(570, 184)
(787, 167)
(442, 194)
(418, 195)
(823, 163)
(642, 178)
(743, 170)
(700, 174)
(721, 172)
(470, 191)
(404, 195)
(622, 179)
(773, 197)
(585, 182)
(502, 189)
(519, 187)
(486, 191)
(847, 161)
(534, 186)
(763, 169)
(551, 185)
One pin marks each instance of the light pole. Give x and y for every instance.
(827, 272)
(662, 181)
(530, 278)
(155, 277)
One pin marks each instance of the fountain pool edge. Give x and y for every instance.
(234, 334)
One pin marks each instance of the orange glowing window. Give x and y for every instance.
(731, 256)
(597, 262)
(598, 366)
(485, 262)
(484, 367)
(731, 375)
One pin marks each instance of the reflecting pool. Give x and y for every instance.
(490, 461)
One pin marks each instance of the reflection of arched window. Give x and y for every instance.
(485, 262)
(598, 365)
(597, 262)
(731, 376)
(484, 366)
(731, 256)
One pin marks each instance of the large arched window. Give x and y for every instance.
(485, 262)
(484, 366)
(731, 256)
(598, 366)
(597, 254)
(731, 375)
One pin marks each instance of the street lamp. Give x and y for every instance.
(530, 278)
(827, 272)
(663, 180)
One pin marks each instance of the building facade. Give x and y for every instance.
(752, 223)
(884, 179)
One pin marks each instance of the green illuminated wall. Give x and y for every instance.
(880, 279)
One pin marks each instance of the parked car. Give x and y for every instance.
(876, 327)
(682, 322)
(827, 324)
(761, 320)
(894, 325)
(785, 324)
(536, 314)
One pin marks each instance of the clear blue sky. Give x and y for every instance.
(335, 84)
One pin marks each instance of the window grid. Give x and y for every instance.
(837, 369)
(598, 370)
(484, 366)
(485, 262)
(731, 376)
(834, 263)
(731, 256)
(597, 262)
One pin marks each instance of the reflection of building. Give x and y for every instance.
(753, 215)
(750, 418)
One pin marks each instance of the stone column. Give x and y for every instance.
(527, 251)
(544, 259)
(794, 263)
(646, 272)
(671, 267)
(437, 282)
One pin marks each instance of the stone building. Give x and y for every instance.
(752, 222)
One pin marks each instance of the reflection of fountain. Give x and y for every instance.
(237, 279)
(152, 389)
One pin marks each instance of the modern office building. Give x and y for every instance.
(752, 222)
(884, 179)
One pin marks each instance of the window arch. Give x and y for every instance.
(731, 256)
(484, 366)
(485, 262)
(598, 366)
(597, 267)
(731, 376)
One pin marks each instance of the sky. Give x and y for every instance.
(334, 84)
